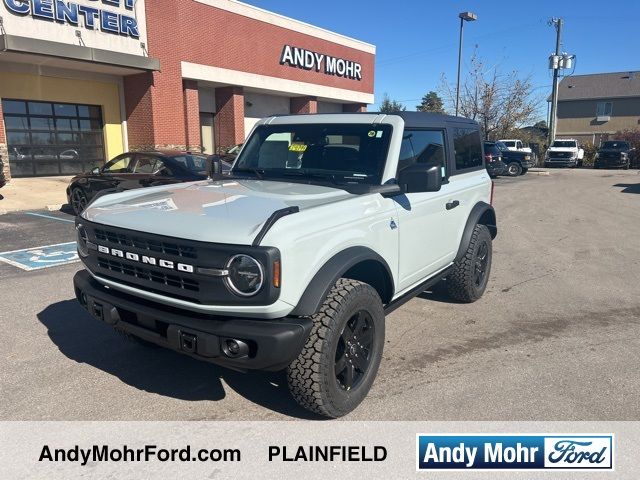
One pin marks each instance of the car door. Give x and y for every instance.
(427, 220)
(114, 173)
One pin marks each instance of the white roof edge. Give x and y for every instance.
(207, 73)
(279, 20)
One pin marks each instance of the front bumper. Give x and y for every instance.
(271, 344)
(610, 163)
(561, 162)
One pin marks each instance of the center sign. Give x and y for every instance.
(309, 60)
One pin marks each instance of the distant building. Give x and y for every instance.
(593, 107)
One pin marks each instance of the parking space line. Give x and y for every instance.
(51, 217)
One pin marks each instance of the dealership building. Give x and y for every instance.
(82, 81)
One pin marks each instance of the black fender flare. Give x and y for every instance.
(482, 213)
(325, 278)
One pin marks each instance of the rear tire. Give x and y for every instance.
(339, 362)
(514, 169)
(468, 280)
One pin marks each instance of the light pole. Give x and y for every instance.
(464, 17)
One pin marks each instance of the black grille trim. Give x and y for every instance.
(150, 245)
(149, 275)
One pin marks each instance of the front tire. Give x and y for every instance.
(78, 200)
(339, 362)
(468, 280)
(514, 169)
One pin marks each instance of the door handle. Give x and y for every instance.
(452, 205)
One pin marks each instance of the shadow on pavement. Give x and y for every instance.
(84, 339)
(629, 187)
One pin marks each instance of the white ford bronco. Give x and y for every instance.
(325, 224)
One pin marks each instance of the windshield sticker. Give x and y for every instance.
(297, 147)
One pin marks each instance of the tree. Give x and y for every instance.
(391, 106)
(500, 102)
(431, 102)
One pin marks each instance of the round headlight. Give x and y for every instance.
(245, 276)
(83, 238)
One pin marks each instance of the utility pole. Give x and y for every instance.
(556, 65)
(464, 17)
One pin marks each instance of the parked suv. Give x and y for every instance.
(324, 224)
(614, 154)
(493, 159)
(516, 162)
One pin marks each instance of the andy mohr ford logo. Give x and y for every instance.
(514, 452)
(160, 262)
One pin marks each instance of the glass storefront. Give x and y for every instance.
(49, 138)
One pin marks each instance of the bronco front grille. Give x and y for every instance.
(149, 275)
(157, 246)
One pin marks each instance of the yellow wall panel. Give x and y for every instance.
(54, 89)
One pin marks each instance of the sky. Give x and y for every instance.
(417, 40)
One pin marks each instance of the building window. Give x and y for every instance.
(49, 138)
(466, 142)
(603, 110)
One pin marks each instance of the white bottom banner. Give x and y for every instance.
(319, 450)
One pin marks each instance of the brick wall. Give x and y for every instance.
(4, 152)
(229, 122)
(162, 109)
(192, 115)
(354, 107)
(304, 105)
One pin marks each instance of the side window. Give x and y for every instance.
(423, 146)
(121, 164)
(147, 164)
(466, 142)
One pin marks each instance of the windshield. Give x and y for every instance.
(335, 153)
(193, 163)
(501, 146)
(564, 144)
(615, 145)
(509, 143)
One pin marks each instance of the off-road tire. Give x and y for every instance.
(312, 376)
(514, 169)
(461, 282)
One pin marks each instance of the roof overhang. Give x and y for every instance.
(31, 46)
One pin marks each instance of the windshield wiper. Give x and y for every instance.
(320, 176)
(258, 172)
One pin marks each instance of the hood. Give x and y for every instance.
(222, 211)
(613, 150)
(562, 149)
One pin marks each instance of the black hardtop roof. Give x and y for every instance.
(430, 119)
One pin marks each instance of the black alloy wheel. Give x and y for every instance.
(482, 260)
(78, 200)
(353, 353)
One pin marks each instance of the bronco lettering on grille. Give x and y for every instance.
(161, 262)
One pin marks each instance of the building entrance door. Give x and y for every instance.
(206, 133)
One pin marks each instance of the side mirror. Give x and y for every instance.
(420, 177)
(96, 171)
(216, 166)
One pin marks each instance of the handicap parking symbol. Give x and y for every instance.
(41, 257)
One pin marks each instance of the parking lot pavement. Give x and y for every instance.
(556, 336)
